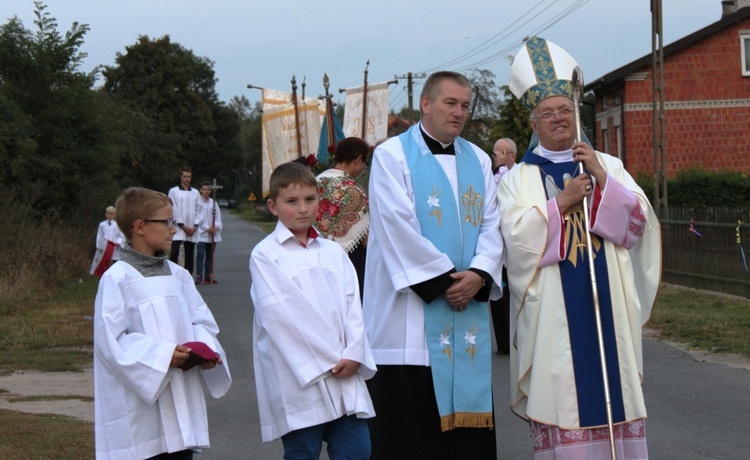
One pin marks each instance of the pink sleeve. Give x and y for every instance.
(554, 252)
(616, 214)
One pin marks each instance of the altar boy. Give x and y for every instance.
(155, 344)
(309, 345)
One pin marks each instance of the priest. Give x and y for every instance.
(435, 258)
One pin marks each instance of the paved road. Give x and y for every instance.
(697, 410)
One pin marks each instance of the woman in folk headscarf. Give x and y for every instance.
(343, 213)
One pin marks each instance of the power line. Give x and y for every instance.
(491, 41)
(570, 9)
(410, 77)
(505, 34)
(392, 104)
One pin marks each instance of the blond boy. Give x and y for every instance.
(109, 241)
(147, 401)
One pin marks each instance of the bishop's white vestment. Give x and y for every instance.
(555, 371)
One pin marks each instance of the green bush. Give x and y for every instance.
(698, 188)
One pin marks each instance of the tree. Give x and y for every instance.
(248, 174)
(56, 150)
(513, 122)
(485, 102)
(174, 116)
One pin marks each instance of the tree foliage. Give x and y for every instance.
(485, 103)
(513, 122)
(167, 97)
(56, 150)
(248, 174)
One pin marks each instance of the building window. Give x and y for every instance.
(745, 42)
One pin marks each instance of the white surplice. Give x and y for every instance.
(308, 317)
(188, 210)
(142, 406)
(398, 256)
(108, 232)
(211, 216)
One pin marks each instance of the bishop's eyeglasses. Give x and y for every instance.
(547, 115)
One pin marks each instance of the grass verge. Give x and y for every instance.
(51, 333)
(708, 321)
(34, 436)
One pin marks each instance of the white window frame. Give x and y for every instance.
(745, 54)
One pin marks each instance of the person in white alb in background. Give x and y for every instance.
(188, 213)
(109, 241)
(209, 233)
(505, 157)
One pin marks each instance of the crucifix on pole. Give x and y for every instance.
(214, 188)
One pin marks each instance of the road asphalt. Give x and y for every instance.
(697, 409)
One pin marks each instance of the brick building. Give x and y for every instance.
(707, 101)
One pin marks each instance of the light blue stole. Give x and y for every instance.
(458, 342)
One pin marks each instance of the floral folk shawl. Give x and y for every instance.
(343, 212)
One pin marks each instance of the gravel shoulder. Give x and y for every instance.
(68, 389)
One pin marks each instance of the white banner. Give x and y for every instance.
(280, 134)
(376, 114)
(272, 98)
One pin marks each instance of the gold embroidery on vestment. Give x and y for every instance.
(575, 235)
(473, 203)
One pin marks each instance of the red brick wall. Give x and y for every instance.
(699, 131)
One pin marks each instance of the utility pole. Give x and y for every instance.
(410, 91)
(657, 81)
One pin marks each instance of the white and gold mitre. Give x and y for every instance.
(540, 70)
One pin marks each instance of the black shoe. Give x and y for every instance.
(503, 352)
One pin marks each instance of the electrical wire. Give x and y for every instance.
(491, 41)
(501, 36)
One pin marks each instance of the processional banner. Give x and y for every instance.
(375, 124)
(279, 141)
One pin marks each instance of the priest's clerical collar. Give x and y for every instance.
(435, 146)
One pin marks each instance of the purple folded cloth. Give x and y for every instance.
(199, 352)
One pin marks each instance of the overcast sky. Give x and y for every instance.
(265, 42)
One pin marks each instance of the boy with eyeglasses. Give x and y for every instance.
(155, 344)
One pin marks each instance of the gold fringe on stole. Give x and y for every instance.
(466, 420)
